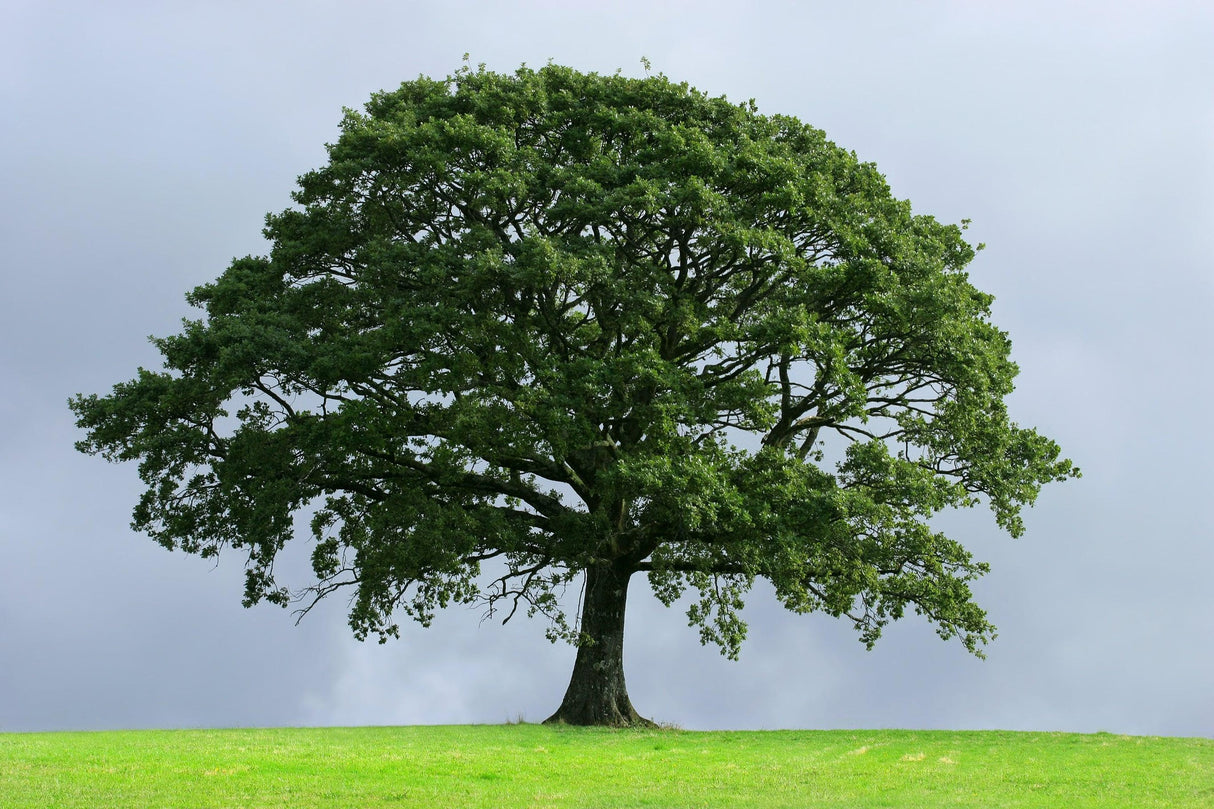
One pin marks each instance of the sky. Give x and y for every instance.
(142, 143)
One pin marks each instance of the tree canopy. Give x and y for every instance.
(566, 324)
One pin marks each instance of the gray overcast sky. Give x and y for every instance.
(141, 144)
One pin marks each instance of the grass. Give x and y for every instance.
(537, 766)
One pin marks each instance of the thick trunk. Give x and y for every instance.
(596, 693)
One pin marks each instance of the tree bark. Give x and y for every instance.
(597, 694)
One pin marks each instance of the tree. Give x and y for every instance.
(582, 325)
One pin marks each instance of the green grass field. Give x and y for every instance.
(500, 767)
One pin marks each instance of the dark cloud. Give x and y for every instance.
(144, 143)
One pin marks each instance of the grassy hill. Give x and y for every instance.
(535, 766)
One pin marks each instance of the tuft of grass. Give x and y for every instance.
(522, 765)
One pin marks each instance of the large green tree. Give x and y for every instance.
(576, 325)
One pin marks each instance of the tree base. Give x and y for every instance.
(613, 719)
(600, 700)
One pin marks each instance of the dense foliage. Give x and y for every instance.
(580, 323)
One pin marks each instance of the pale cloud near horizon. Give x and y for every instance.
(143, 144)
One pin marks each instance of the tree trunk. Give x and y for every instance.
(597, 694)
